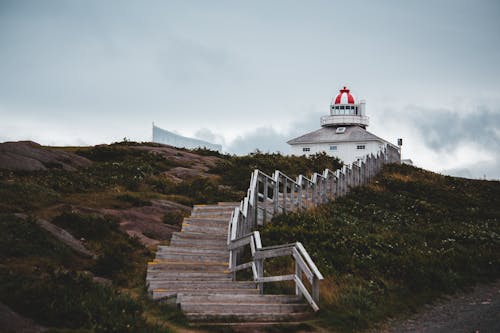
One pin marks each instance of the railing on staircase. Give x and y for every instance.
(271, 195)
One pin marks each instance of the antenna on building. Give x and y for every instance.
(400, 144)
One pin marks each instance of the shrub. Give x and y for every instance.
(22, 197)
(67, 299)
(24, 238)
(175, 217)
(134, 200)
(235, 171)
(90, 227)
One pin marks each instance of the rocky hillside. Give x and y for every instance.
(78, 225)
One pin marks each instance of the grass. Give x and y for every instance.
(385, 249)
(405, 240)
(44, 280)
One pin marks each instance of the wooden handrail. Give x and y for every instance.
(302, 192)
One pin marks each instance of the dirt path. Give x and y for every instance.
(474, 312)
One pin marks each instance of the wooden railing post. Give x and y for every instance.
(276, 196)
(315, 289)
(285, 192)
(298, 275)
(266, 195)
(232, 263)
(260, 271)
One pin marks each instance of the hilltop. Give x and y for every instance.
(78, 225)
(404, 240)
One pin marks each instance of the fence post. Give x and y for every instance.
(260, 273)
(232, 264)
(298, 275)
(276, 195)
(315, 289)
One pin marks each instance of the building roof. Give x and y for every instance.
(329, 134)
(163, 136)
(344, 97)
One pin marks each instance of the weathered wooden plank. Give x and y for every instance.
(276, 278)
(242, 266)
(279, 252)
(309, 261)
(306, 294)
(242, 241)
(303, 266)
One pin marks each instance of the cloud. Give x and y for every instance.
(269, 139)
(207, 135)
(444, 130)
(463, 142)
(266, 139)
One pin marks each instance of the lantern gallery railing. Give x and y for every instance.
(271, 195)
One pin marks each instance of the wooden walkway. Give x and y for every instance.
(194, 271)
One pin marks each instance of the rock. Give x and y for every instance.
(30, 156)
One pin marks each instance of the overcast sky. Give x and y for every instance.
(254, 74)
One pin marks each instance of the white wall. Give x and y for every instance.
(346, 151)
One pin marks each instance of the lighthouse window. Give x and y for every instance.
(360, 147)
(306, 149)
(341, 107)
(333, 147)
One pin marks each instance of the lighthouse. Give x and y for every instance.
(343, 132)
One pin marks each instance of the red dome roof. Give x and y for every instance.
(344, 97)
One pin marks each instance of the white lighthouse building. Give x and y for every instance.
(343, 132)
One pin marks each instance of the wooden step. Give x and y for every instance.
(231, 204)
(200, 285)
(198, 236)
(228, 298)
(198, 241)
(209, 245)
(169, 275)
(207, 221)
(263, 308)
(239, 317)
(164, 293)
(217, 208)
(190, 250)
(188, 227)
(193, 257)
(162, 264)
(194, 271)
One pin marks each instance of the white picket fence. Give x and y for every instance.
(271, 195)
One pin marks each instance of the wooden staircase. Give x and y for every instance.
(194, 271)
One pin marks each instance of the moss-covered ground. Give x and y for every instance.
(406, 239)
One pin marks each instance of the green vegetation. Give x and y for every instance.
(43, 279)
(174, 217)
(400, 242)
(386, 248)
(235, 171)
